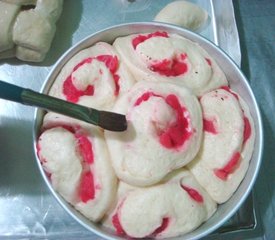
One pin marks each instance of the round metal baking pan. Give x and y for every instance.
(237, 82)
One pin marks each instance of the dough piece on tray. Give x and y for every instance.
(160, 56)
(175, 206)
(7, 54)
(94, 77)
(21, 2)
(164, 132)
(29, 27)
(228, 143)
(184, 14)
(75, 158)
(49, 8)
(8, 13)
(26, 54)
(34, 32)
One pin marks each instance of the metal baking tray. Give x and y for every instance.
(28, 210)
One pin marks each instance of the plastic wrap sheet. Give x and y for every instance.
(27, 209)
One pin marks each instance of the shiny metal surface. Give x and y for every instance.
(237, 82)
(28, 209)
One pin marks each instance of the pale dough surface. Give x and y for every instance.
(8, 13)
(28, 31)
(137, 155)
(141, 211)
(60, 157)
(184, 14)
(50, 8)
(225, 110)
(96, 74)
(36, 36)
(202, 75)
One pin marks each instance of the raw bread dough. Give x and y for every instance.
(7, 54)
(160, 56)
(49, 8)
(29, 31)
(184, 14)
(8, 13)
(227, 147)
(33, 31)
(20, 2)
(76, 159)
(164, 132)
(25, 54)
(175, 206)
(97, 68)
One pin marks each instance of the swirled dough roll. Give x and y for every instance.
(184, 14)
(174, 207)
(160, 56)
(94, 77)
(228, 143)
(164, 132)
(8, 14)
(76, 160)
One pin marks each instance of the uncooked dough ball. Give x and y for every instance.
(36, 36)
(20, 2)
(8, 13)
(184, 14)
(28, 28)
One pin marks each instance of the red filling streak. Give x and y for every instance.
(86, 149)
(194, 194)
(162, 227)
(171, 68)
(176, 134)
(208, 61)
(87, 189)
(209, 126)
(226, 88)
(141, 38)
(117, 225)
(229, 168)
(38, 149)
(234, 162)
(87, 186)
(247, 126)
(71, 129)
(120, 231)
(73, 94)
(247, 130)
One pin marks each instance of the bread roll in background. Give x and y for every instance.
(184, 14)
(8, 13)
(28, 28)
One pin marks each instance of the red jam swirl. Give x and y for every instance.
(247, 130)
(87, 188)
(194, 194)
(209, 126)
(161, 228)
(171, 67)
(141, 38)
(73, 94)
(177, 133)
(84, 147)
(229, 168)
